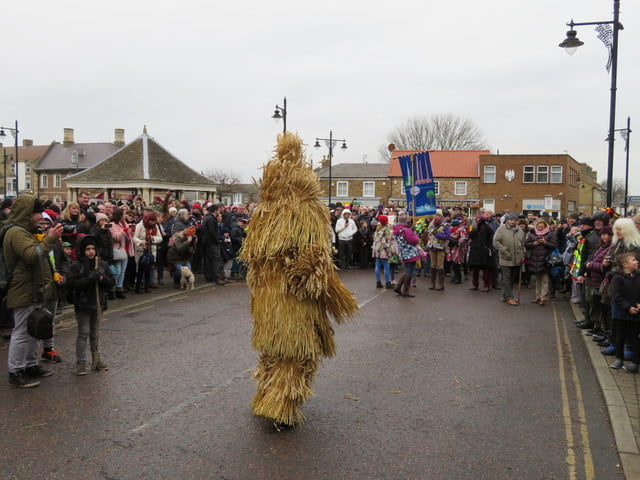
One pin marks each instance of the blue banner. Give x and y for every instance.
(417, 178)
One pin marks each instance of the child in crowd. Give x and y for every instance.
(83, 275)
(625, 306)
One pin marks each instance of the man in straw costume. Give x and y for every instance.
(294, 284)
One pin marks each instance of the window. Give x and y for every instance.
(12, 169)
(44, 180)
(489, 174)
(528, 174)
(57, 180)
(436, 187)
(543, 174)
(368, 189)
(342, 189)
(27, 168)
(27, 183)
(489, 204)
(460, 188)
(556, 173)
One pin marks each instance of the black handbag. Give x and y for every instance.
(40, 323)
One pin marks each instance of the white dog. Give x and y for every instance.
(187, 278)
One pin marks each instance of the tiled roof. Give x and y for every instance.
(444, 163)
(26, 154)
(145, 160)
(59, 156)
(356, 170)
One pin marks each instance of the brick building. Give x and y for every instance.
(530, 183)
(363, 182)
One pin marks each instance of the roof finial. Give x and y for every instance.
(144, 130)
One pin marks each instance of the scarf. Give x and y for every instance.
(540, 233)
(150, 229)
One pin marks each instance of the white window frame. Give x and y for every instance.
(488, 171)
(342, 185)
(542, 170)
(436, 187)
(57, 180)
(12, 169)
(460, 191)
(371, 186)
(44, 180)
(489, 204)
(27, 168)
(27, 183)
(532, 172)
(558, 171)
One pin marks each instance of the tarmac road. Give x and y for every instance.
(447, 385)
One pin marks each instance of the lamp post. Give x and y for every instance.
(571, 43)
(626, 133)
(5, 157)
(281, 113)
(14, 132)
(330, 142)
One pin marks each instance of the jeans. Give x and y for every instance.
(87, 330)
(121, 267)
(345, 250)
(509, 279)
(23, 349)
(409, 268)
(387, 271)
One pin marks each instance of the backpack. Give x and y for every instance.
(405, 249)
(554, 259)
(5, 273)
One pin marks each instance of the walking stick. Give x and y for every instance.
(519, 282)
(95, 345)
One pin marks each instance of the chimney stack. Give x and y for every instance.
(325, 162)
(27, 142)
(119, 137)
(68, 137)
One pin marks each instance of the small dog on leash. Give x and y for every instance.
(187, 278)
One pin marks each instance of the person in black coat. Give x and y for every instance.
(481, 252)
(211, 247)
(539, 243)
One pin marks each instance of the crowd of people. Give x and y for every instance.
(593, 260)
(83, 254)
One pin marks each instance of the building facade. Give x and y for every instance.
(530, 184)
(366, 183)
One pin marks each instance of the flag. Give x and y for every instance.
(417, 178)
(605, 34)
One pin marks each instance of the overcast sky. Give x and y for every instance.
(204, 76)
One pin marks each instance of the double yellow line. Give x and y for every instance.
(566, 362)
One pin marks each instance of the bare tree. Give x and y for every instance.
(438, 132)
(617, 197)
(226, 181)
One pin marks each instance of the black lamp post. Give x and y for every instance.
(330, 142)
(281, 113)
(626, 134)
(571, 43)
(14, 132)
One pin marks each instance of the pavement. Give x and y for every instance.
(620, 390)
(622, 396)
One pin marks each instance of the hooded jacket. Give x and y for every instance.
(27, 258)
(625, 293)
(510, 245)
(83, 276)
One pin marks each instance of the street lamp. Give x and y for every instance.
(330, 142)
(626, 133)
(14, 132)
(609, 37)
(281, 113)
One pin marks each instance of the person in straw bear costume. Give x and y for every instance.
(294, 284)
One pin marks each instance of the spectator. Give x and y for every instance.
(345, 230)
(540, 242)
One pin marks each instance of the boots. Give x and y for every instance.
(434, 275)
(388, 285)
(440, 279)
(120, 293)
(406, 285)
(399, 282)
(378, 284)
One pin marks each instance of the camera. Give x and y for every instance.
(108, 225)
(67, 228)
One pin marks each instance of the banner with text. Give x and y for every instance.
(417, 178)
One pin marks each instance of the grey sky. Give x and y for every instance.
(205, 76)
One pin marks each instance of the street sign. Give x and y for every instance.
(633, 198)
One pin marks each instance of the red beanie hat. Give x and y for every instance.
(383, 219)
(51, 213)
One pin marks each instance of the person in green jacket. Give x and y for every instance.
(31, 284)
